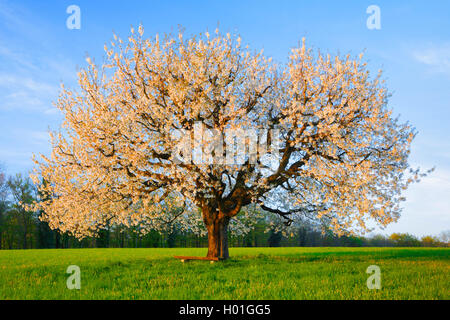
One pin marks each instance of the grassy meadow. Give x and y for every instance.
(251, 273)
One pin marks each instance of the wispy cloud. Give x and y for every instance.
(17, 19)
(17, 58)
(29, 74)
(436, 57)
(10, 80)
(23, 92)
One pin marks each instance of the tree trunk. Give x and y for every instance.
(218, 238)
(216, 217)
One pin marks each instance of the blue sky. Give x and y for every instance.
(38, 52)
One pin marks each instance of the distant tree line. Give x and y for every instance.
(21, 229)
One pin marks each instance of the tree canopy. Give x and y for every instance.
(196, 129)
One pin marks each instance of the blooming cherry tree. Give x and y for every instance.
(327, 146)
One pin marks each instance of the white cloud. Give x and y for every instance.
(22, 92)
(11, 81)
(16, 57)
(30, 75)
(436, 57)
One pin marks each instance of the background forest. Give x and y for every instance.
(21, 229)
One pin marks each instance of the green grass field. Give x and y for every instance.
(251, 273)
